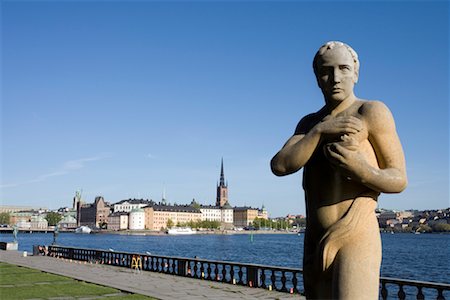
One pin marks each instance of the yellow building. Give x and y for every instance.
(157, 216)
(244, 216)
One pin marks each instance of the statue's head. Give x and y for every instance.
(333, 45)
(336, 67)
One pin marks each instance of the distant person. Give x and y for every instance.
(350, 152)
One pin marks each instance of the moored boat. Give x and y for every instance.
(181, 231)
(83, 229)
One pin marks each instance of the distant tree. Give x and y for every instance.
(207, 224)
(424, 228)
(5, 218)
(53, 218)
(169, 223)
(259, 222)
(103, 225)
(441, 227)
(301, 222)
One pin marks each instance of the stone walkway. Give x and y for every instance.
(160, 286)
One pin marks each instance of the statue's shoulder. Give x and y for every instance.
(372, 106)
(376, 113)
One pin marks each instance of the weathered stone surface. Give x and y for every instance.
(350, 152)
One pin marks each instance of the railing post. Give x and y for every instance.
(182, 267)
(253, 276)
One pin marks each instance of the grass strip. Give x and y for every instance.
(25, 283)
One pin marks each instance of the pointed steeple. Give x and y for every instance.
(222, 189)
(222, 175)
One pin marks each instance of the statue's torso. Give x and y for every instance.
(330, 193)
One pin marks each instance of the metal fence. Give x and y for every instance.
(281, 279)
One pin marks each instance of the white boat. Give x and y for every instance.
(83, 229)
(181, 231)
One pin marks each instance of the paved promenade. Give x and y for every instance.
(160, 286)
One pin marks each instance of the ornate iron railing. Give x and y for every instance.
(281, 279)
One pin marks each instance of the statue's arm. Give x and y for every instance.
(390, 177)
(295, 153)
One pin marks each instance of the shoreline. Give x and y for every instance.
(202, 232)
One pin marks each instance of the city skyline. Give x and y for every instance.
(126, 100)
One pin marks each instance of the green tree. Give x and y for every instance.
(169, 223)
(5, 218)
(53, 218)
(103, 225)
(441, 227)
(424, 228)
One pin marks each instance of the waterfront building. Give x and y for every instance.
(68, 221)
(38, 222)
(13, 208)
(223, 214)
(244, 216)
(130, 204)
(118, 221)
(157, 216)
(24, 225)
(22, 219)
(93, 215)
(262, 213)
(136, 219)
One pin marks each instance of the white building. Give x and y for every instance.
(38, 222)
(211, 213)
(130, 204)
(227, 214)
(222, 214)
(136, 219)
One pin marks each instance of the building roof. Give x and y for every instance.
(118, 213)
(226, 206)
(175, 208)
(245, 208)
(135, 201)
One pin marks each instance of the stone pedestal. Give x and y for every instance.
(9, 246)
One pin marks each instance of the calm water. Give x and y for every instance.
(424, 257)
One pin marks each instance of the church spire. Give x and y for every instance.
(222, 189)
(222, 175)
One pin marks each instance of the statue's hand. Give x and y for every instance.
(346, 156)
(339, 125)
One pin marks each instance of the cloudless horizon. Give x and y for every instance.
(128, 99)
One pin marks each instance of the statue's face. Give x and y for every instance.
(336, 74)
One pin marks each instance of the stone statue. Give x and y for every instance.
(351, 153)
(55, 234)
(15, 231)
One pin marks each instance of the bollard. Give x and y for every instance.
(24, 254)
(270, 287)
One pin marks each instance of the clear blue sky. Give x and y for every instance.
(123, 99)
